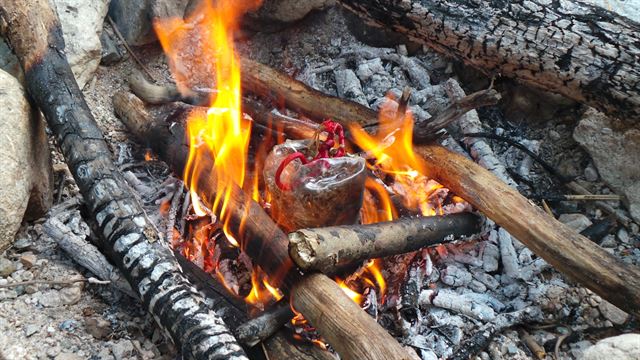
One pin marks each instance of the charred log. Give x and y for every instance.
(581, 51)
(326, 249)
(265, 243)
(33, 31)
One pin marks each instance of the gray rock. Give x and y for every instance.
(612, 313)
(81, 26)
(622, 347)
(110, 52)
(623, 236)
(578, 222)
(590, 173)
(287, 11)
(30, 329)
(122, 349)
(134, 17)
(24, 160)
(615, 154)
(7, 267)
(68, 356)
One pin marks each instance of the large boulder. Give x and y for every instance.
(614, 148)
(622, 347)
(81, 27)
(81, 23)
(134, 18)
(26, 182)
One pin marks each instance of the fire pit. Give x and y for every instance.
(311, 224)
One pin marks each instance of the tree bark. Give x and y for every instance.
(330, 248)
(581, 51)
(33, 31)
(264, 242)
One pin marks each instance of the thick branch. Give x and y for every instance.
(34, 32)
(326, 249)
(580, 51)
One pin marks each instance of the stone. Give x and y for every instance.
(614, 153)
(81, 23)
(70, 295)
(122, 349)
(28, 260)
(622, 347)
(27, 180)
(30, 329)
(7, 267)
(68, 356)
(612, 313)
(623, 236)
(590, 173)
(578, 222)
(134, 17)
(274, 15)
(98, 327)
(110, 52)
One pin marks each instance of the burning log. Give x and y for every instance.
(328, 249)
(568, 252)
(33, 31)
(583, 52)
(352, 333)
(265, 325)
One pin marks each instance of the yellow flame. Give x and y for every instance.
(392, 148)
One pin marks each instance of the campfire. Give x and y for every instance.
(289, 223)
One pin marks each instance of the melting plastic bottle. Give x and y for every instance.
(308, 194)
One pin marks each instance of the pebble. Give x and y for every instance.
(68, 356)
(577, 221)
(623, 235)
(590, 173)
(22, 244)
(612, 313)
(122, 349)
(554, 135)
(28, 260)
(609, 241)
(31, 329)
(71, 295)
(7, 267)
(98, 327)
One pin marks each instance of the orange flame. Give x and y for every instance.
(392, 148)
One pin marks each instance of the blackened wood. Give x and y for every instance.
(568, 252)
(266, 324)
(583, 52)
(33, 31)
(327, 249)
(350, 331)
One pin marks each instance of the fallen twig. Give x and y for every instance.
(90, 280)
(126, 45)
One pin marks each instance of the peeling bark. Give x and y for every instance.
(581, 51)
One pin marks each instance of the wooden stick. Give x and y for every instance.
(570, 253)
(266, 324)
(330, 248)
(583, 52)
(35, 35)
(262, 240)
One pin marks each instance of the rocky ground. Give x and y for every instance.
(40, 320)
